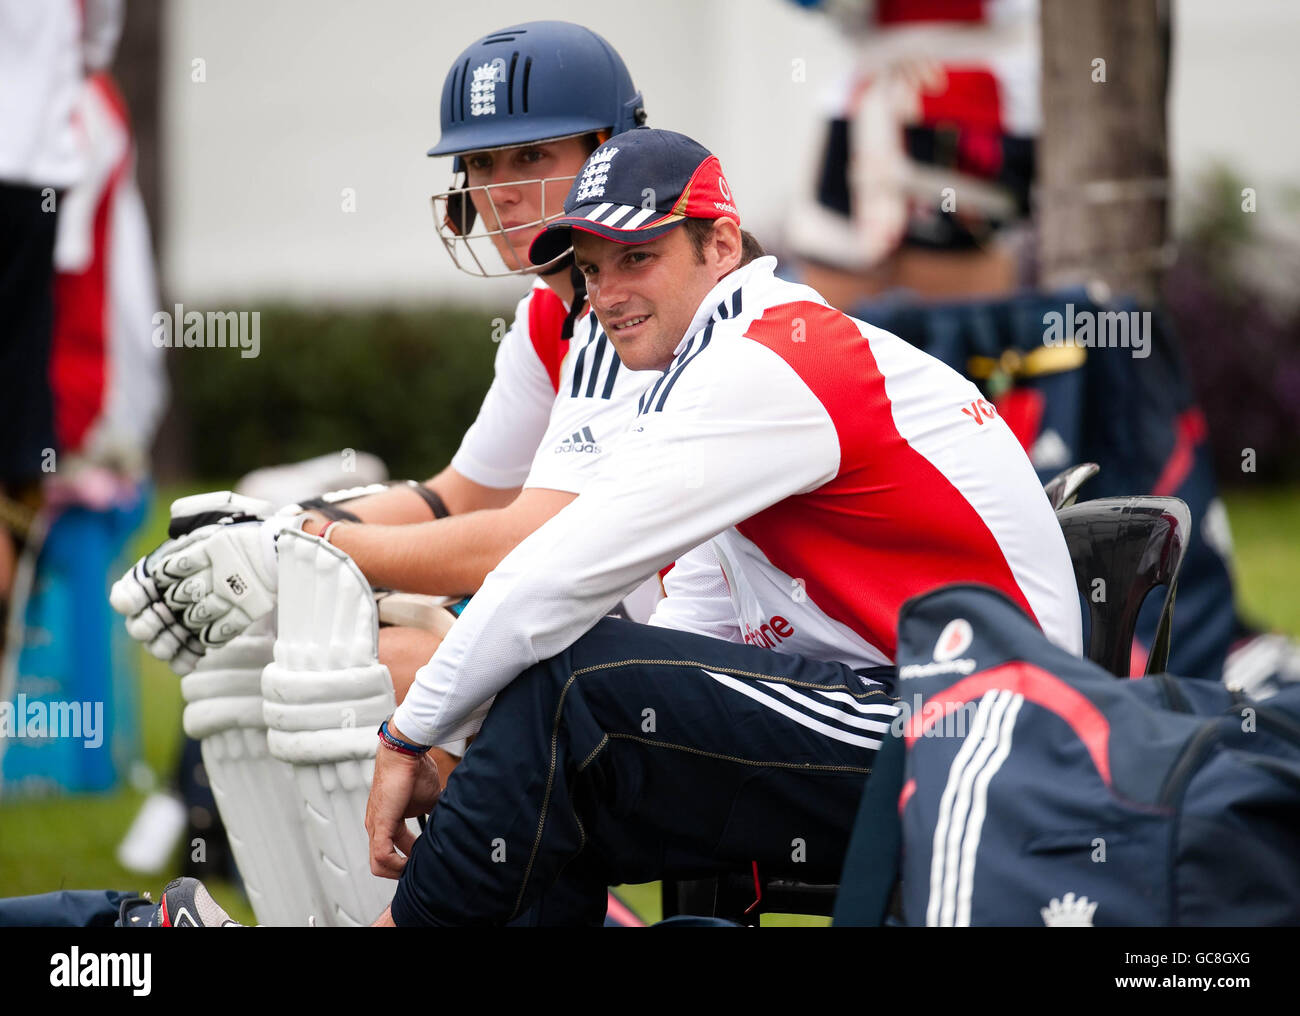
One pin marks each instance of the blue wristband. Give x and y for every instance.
(391, 740)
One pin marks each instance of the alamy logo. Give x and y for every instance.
(1069, 912)
(595, 174)
(75, 969)
(1110, 329)
(191, 329)
(579, 441)
(483, 89)
(40, 718)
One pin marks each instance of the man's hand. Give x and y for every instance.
(404, 786)
(428, 787)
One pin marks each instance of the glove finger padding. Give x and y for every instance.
(188, 590)
(193, 600)
(225, 628)
(145, 626)
(164, 637)
(183, 562)
(208, 610)
(133, 591)
(217, 581)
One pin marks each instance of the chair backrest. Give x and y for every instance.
(1063, 488)
(1122, 548)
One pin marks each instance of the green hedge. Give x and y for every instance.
(401, 384)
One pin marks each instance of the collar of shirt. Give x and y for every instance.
(728, 284)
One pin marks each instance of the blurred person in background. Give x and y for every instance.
(81, 385)
(45, 51)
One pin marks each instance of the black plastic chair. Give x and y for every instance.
(1122, 548)
(1063, 488)
(1130, 545)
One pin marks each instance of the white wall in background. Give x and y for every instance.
(303, 99)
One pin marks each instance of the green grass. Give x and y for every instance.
(1266, 535)
(69, 842)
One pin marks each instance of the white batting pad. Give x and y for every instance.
(255, 793)
(325, 693)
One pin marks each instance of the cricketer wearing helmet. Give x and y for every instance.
(521, 110)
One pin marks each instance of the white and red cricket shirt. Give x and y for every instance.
(826, 470)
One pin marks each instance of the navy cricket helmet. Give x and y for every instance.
(537, 82)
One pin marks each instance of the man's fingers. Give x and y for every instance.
(385, 861)
(404, 839)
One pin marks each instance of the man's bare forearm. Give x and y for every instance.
(449, 556)
(401, 505)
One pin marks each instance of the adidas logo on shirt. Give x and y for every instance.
(580, 441)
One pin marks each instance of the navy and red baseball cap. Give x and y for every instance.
(635, 188)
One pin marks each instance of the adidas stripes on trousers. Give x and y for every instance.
(642, 753)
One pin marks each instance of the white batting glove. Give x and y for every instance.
(149, 620)
(142, 593)
(222, 578)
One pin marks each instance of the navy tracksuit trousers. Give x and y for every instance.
(640, 753)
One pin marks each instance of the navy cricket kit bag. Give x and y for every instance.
(1028, 787)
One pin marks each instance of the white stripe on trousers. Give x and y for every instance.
(878, 726)
(849, 700)
(803, 719)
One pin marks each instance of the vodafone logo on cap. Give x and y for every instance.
(954, 640)
(726, 205)
(708, 195)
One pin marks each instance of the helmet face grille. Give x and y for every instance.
(471, 239)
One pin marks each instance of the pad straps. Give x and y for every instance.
(434, 502)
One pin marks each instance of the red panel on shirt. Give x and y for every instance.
(79, 347)
(889, 526)
(546, 314)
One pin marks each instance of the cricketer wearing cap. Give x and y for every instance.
(808, 473)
